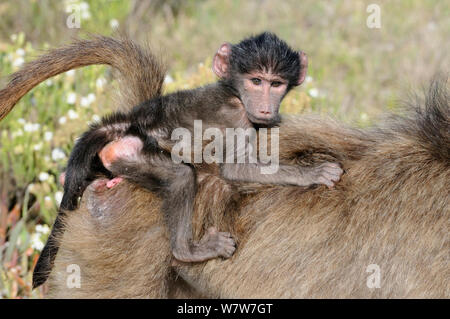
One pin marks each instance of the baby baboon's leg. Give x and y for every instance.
(176, 184)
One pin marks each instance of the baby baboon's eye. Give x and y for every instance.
(276, 83)
(256, 81)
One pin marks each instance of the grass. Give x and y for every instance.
(355, 74)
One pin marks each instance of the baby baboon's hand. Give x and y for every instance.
(326, 173)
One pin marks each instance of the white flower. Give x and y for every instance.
(364, 117)
(49, 82)
(100, 83)
(21, 121)
(72, 114)
(48, 136)
(71, 98)
(47, 199)
(62, 120)
(30, 188)
(20, 52)
(70, 73)
(168, 79)
(308, 79)
(37, 147)
(43, 176)
(86, 15)
(18, 62)
(313, 92)
(30, 127)
(91, 98)
(17, 133)
(58, 154)
(43, 229)
(84, 102)
(84, 6)
(58, 197)
(36, 242)
(114, 24)
(87, 100)
(95, 119)
(13, 37)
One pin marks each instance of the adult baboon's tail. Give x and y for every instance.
(142, 73)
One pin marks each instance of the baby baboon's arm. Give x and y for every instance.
(326, 173)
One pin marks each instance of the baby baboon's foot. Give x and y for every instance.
(212, 245)
(327, 174)
(98, 185)
(113, 182)
(221, 242)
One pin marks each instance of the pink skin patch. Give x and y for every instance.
(99, 185)
(127, 148)
(62, 178)
(113, 182)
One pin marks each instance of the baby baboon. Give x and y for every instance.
(255, 75)
(382, 232)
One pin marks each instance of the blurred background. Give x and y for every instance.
(355, 74)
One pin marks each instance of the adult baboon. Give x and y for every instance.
(382, 232)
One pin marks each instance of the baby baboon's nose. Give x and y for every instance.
(265, 112)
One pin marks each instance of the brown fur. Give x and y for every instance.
(99, 227)
(142, 73)
(391, 209)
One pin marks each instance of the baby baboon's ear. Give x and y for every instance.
(221, 61)
(303, 67)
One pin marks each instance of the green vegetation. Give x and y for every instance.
(355, 74)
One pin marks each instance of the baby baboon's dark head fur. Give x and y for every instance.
(266, 53)
(260, 71)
